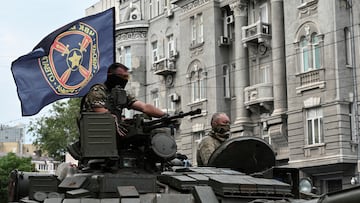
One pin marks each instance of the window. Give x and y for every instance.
(171, 103)
(348, 46)
(226, 81)
(157, 7)
(265, 74)
(150, 9)
(197, 85)
(197, 81)
(264, 18)
(120, 58)
(196, 23)
(127, 62)
(263, 13)
(352, 123)
(266, 136)
(200, 28)
(155, 99)
(154, 51)
(194, 87)
(315, 51)
(171, 46)
(314, 126)
(252, 12)
(232, 80)
(310, 53)
(304, 54)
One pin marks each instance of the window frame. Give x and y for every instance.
(120, 55)
(265, 74)
(171, 105)
(198, 86)
(171, 45)
(197, 29)
(310, 50)
(150, 9)
(226, 81)
(264, 7)
(127, 57)
(348, 52)
(197, 82)
(309, 45)
(314, 132)
(154, 47)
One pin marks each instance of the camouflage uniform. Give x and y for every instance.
(207, 146)
(98, 96)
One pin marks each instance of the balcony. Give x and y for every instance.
(311, 79)
(260, 94)
(255, 33)
(164, 67)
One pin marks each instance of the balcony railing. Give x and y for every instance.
(256, 33)
(258, 94)
(311, 79)
(164, 66)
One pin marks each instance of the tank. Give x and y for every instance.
(144, 166)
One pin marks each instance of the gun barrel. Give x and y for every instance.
(170, 119)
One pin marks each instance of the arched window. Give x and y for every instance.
(310, 53)
(309, 46)
(197, 82)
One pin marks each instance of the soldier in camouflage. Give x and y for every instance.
(98, 97)
(220, 124)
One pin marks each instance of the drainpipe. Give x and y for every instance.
(355, 97)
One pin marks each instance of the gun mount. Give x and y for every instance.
(148, 143)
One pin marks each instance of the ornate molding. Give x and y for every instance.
(240, 8)
(131, 35)
(197, 51)
(193, 4)
(308, 8)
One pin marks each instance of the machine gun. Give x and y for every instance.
(147, 141)
(155, 137)
(138, 125)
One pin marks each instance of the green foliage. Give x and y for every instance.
(53, 133)
(7, 164)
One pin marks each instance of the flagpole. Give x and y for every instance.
(114, 34)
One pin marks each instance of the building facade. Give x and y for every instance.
(282, 70)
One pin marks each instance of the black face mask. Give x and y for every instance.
(113, 80)
(222, 129)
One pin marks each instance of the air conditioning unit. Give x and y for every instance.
(229, 19)
(171, 65)
(224, 41)
(174, 97)
(173, 53)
